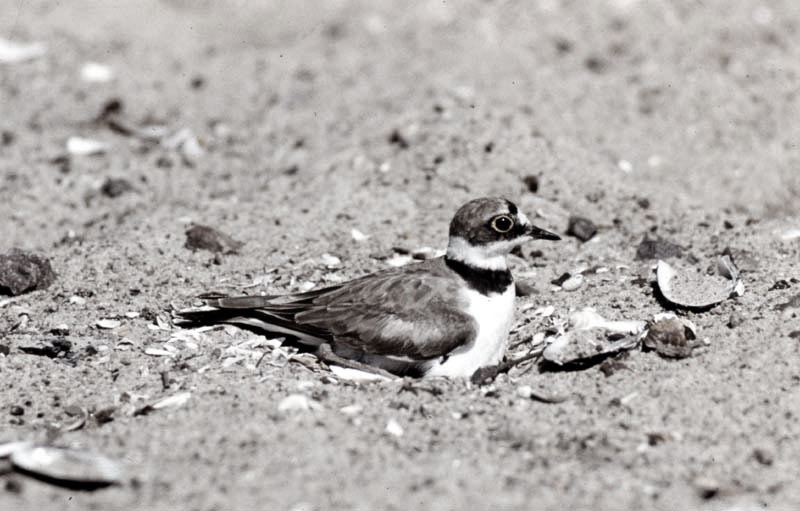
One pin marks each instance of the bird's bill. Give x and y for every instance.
(540, 234)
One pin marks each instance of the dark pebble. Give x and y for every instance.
(397, 138)
(657, 249)
(780, 285)
(560, 280)
(16, 411)
(581, 228)
(532, 183)
(21, 272)
(735, 320)
(201, 237)
(114, 187)
(7, 138)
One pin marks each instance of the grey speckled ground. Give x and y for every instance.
(671, 119)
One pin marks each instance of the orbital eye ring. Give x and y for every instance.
(502, 224)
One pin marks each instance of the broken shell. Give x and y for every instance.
(695, 290)
(78, 146)
(592, 337)
(107, 324)
(297, 403)
(573, 282)
(394, 428)
(67, 466)
(586, 345)
(671, 336)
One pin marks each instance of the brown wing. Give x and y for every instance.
(405, 312)
(413, 313)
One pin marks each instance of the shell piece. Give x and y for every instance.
(68, 466)
(591, 337)
(696, 290)
(580, 346)
(672, 337)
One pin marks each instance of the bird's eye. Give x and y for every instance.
(502, 223)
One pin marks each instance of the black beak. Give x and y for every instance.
(540, 234)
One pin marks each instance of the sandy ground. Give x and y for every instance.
(653, 119)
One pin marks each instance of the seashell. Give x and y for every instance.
(585, 345)
(67, 466)
(297, 403)
(79, 146)
(696, 290)
(107, 324)
(394, 428)
(592, 337)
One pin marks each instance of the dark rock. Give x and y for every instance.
(780, 285)
(201, 237)
(114, 187)
(657, 249)
(581, 228)
(397, 138)
(21, 272)
(16, 410)
(560, 280)
(532, 183)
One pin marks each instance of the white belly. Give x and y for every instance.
(493, 314)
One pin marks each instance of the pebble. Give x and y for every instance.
(201, 237)
(394, 428)
(581, 228)
(297, 403)
(21, 272)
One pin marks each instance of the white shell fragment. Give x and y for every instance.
(68, 465)
(394, 428)
(12, 52)
(298, 403)
(592, 336)
(695, 289)
(94, 72)
(79, 146)
(107, 324)
(356, 375)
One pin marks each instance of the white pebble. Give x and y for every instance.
(94, 72)
(394, 428)
(297, 403)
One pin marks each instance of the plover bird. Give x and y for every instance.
(447, 316)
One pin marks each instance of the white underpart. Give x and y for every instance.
(491, 256)
(493, 314)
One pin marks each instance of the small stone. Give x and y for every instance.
(114, 187)
(394, 428)
(763, 456)
(397, 138)
(201, 237)
(671, 337)
(16, 411)
(581, 228)
(531, 183)
(735, 319)
(657, 249)
(21, 272)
